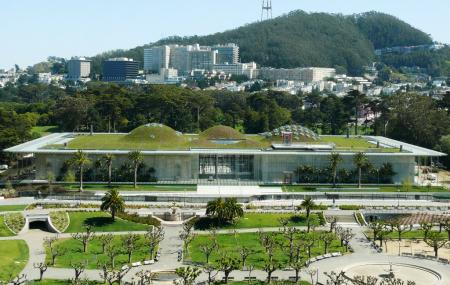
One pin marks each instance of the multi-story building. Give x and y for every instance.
(156, 58)
(202, 58)
(248, 69)
(307, 75)
(120, 69)
(228, 53)
(78, 68)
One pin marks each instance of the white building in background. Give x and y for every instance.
(156, 58)
(48, 78)
(78, 68)
(307, 75)
(248, 69)
(228, 53)
(165, 76)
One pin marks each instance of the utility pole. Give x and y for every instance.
(266, 11)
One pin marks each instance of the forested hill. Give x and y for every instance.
(306, 39)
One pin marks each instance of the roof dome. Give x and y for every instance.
(222, 133)
(155, 132)
(299, 133)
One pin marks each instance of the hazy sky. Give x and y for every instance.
(32, 30)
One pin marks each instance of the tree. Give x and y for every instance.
(112, 252)
(336, 278)
(211, 271)
(308, 204)
(290, 234)
(79, 268)
(187, 274)
(136, 159)
(426, 228)
(269, 242)
(345, 235)
(361, 161)
(327, 239)
(153, 237)
(227, 264)
(187, 235)
(269, 268)
(297, 262)
(55, 251)
(209, 247)
(224, 210)
(42, 266)
(436, 241)
(447, 227)
(19, 280)
(108, 160)
(85, 237)
(397, 226)
(335, 159)
(105, 240)
(80, 160)
(113, 202)
(146, 277)
(129, 244)
(244, 252)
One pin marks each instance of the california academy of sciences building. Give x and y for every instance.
(222, 155)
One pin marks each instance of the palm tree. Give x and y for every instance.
(360, 161)
(113, 202)
(335, 159)
(224, 211)
(108, 160)
(136, 159)
(216, 208)
(233, 209)
(308, 204)
(80, 160)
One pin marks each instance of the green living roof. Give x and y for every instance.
(160, 137)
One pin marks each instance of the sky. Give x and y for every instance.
(33, 30)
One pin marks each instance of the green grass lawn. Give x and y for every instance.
(381, 188)
(231, 243)
(44, 130)
(101, 222)
(8, 208)
(14, 257)
(4, 231)
(129, 187)
(74, 253)
(407, 235)
(258, 220)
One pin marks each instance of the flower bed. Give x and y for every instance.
(60, 220)
(15, 222)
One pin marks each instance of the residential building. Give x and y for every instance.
(78, 68)
(307, 75)
(120, 69)
(156, 58)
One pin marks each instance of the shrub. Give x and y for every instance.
(351, 207)
(60, 220)
(15, 221)
(148, 220)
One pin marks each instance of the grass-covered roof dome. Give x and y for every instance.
(221, 133)
(299, 133)
(154, 132)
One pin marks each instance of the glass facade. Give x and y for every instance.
(213, 166)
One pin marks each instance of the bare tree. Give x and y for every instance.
(346, 235)
(187, 235)
(105, 240)
(146, 277)
(333, 224)
(208, 248)
(245, 252)
(426, 228)
(18, 280)
(312, 272)
(129, 243)
(85, 237)
(269, 267)
(268, 241)
(228, 264)
(436, 241)
(153, 237)
(290, 233)
(336, 278)
(42, 268)
(327, 239)
(79, 268)
(56, 251)
(297, 262)
(211, 271)
(111, 253)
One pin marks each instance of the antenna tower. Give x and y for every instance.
(266, 11)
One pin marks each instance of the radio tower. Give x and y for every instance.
(266, 11)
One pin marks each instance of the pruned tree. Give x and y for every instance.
(244, 252)
(211, 271)
(85, 237)
(153, 237)
(42, 267)
(107, 273)
(336, 278)
(397, 226)
(297, 263)
(345, 236)
(187, 275)
(311, 272)
(309, 240)
(365, 280)
(436, 241)
(18, 280)
(129, 244)
(112, 252)
(55, 251)
(208, 247)
(270, 266)
(333, 224)
(327, 239)
(79, 268)
(426, 228)
(105, 240)
(187, 235)
(269, 242)
(146, 277)
(227, 264)
(447, 227)
(290, 234)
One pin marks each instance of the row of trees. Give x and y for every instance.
(332, 174)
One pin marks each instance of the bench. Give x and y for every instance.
(149, 262)
(136, 264)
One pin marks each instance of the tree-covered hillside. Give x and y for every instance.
(305, 39)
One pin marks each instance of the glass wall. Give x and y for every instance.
(213, 166)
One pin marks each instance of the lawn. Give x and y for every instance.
(259, 282)
(73, 252)
(9, 208)
(130, 187)
(407, 235)
(44, 130)
(258, 220)
(101, 222)
(59, 282)
(4, 231)
(14, 257)
(381, 188)
(231, 243)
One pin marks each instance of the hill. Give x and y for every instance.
(305, 39)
